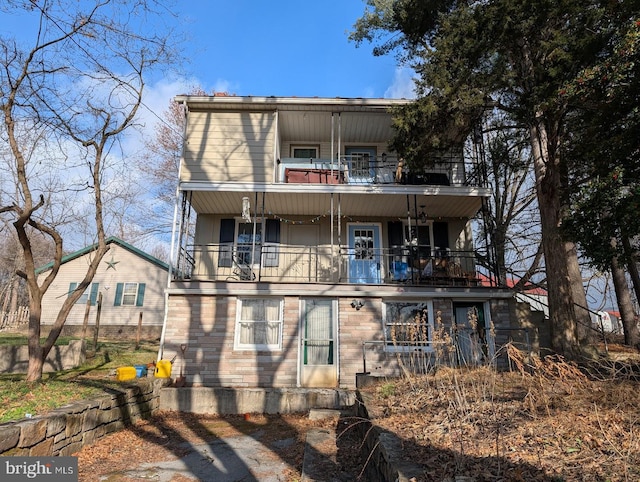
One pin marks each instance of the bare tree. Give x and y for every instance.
(66, 100)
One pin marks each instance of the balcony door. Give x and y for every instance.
(365, 260)
(361, 162)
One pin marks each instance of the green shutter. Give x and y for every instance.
(140, 297)
(94, 293)
(118, 300)
(72, 287)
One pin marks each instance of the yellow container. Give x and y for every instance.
(163, 369)
(125, 373)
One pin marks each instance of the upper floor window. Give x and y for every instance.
(243, 243)
(304, 152)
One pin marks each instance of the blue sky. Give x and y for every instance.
(285, 48)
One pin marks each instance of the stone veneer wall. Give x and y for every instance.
(66, 430)
(205, 325)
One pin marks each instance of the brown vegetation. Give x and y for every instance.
(546, 420)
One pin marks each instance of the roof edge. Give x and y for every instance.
(93, 247)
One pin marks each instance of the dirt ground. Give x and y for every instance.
(544, 421)
(171, 436)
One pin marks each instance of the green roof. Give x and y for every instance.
(109, 240)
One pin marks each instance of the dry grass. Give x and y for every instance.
(545, 421)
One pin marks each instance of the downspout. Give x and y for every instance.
(339, 147)
(276, 150)
(172, 249)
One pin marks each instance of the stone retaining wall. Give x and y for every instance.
(383, 451)
(67, 429)
(15, 359)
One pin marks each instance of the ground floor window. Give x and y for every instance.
(408, 325)
(259, 324)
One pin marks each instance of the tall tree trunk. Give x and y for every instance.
(581, 307)
(623, 297)
(36, 358)
(564, 332)
(632, 266)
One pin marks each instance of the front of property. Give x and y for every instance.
(306, 252)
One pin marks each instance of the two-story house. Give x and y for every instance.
(306, 252)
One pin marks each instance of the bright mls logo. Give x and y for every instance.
(51, 469)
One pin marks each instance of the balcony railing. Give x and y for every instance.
(278, 263)
(445, 171)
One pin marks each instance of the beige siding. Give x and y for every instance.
(229, 146)
(129, 268)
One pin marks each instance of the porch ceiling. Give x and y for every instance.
(373, 204)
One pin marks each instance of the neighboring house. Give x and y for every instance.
(131, 284)
(316, 253)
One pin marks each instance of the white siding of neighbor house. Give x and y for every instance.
(229, 146)
(129, 268)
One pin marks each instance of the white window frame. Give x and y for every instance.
(423, 347)
(238, 345)
(239, 247)
(125, 294)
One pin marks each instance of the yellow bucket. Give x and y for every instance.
(125, 373)
(163, 369)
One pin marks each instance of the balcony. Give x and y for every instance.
(277, 263)
(378, 170)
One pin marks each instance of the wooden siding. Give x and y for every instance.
(129, 268)
(229, 146)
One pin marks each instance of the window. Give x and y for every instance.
(258, 324)
(129, 294)
(238, 239)
(304, 152)
(248, 241)
(408, 326)
(91, 293)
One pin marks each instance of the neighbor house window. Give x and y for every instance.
(91, 293)
(258, 324)
(129, 294)
(408, 326)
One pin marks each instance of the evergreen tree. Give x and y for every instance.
(514, 56)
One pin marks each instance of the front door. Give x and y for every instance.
(365, 260)
(471, 333)
(318, 353)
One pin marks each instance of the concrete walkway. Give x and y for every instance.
(245, 458)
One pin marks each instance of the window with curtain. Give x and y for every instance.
(259, 324)
(407, 326)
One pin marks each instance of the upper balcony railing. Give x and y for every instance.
(368, 170)
(405, 265)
